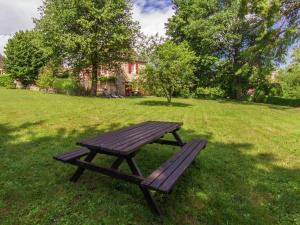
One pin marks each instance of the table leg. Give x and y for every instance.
(149, 198)
(80, 170)
(178, 138)
(117, 163)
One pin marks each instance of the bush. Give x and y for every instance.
(46, 78)
(290, 81)
(68, 86)
(211, 92)
(283, 101)
(275, 89)
(107, 78)
(259, 96)
(6, 81)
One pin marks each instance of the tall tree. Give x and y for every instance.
(88, 32)
(238, 41)
(23, 57)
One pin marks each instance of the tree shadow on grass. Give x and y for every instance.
(163, 103)
(228, 184)
(271, 106)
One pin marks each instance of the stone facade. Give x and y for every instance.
(116, 81)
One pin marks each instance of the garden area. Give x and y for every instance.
(224, 77)
(248, 174)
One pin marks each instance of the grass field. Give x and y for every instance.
(248, 174)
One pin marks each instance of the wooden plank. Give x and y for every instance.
(166, 165)
(124, 137)
(146, 140)
(65, 157)
(118, 134)
(132, 135)
(168, 170)
(127, 141)
(142, 135)
(164, 178)
(171, 180)
(114, 133)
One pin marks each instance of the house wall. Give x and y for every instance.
(128, 72)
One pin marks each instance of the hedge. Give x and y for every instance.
(6, 81)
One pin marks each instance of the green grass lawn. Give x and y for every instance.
(248, 174)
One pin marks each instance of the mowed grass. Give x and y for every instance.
(248, 174)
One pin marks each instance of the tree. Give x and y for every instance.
(88, 32)
(170, 70)
(289, 77)
(23, 58)
(146, 45)
(238, 41)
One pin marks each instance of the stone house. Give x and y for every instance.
(113, 81)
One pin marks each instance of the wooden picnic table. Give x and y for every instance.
(124, 144)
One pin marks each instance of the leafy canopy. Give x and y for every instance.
(238, 41)
(88, 32)
(171, 70)
(289, 77)
(23, 57)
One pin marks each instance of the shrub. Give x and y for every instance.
(46, 78)
(68, 86)
(107, 78)
(283, 101)
(275, 90)
(259, 96)
(6, 81)
(209, 92)
(290, 81)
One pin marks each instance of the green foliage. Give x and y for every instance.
(6, 81)
(238, 42)
(135, 84)
(67, 86)
(171, 70)
(209, 92)
(107, 78)
(283, 101)
(88, 32)
(46, 78)
(23, 57)
(259, 96)
(275, 89)
(289, 77)
(146, 45)
(291, 84)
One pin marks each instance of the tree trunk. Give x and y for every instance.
(94, 78)
(169, 99)
(238, 88)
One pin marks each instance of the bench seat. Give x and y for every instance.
(164, 178)
(75, 154)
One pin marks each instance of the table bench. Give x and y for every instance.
(124, 144)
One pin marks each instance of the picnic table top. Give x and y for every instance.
(128, 140)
